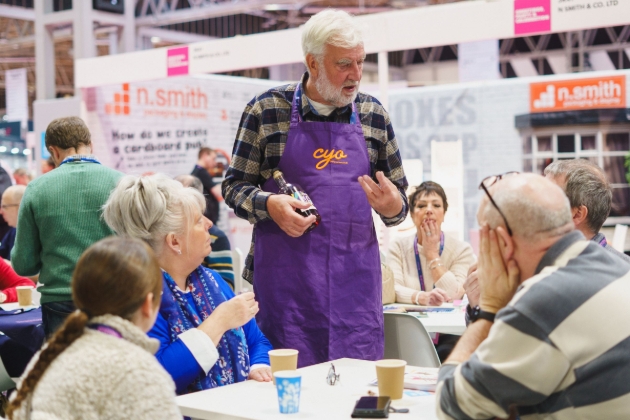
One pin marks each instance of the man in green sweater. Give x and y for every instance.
(60, 216)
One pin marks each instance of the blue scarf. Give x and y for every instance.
(233, 364)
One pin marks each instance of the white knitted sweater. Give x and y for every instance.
(100, 376)
(457, 258)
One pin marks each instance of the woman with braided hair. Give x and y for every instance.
(100, 363)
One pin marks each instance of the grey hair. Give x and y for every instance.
(585, 185)
(151, 207)
(528, 218)
(190, 181)
(330, 27)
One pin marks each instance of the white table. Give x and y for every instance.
(259, 401)
(440, 322)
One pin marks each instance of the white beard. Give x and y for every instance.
(332, 94)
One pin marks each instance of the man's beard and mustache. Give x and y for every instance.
(332, 94)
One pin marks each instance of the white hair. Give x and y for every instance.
(151, 207)
(330, 27)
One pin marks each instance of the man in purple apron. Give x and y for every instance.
(319, 292)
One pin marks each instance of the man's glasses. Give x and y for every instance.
(333, 377)
(6, 206)
(490, 181)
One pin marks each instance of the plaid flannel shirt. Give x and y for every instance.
(260, 142)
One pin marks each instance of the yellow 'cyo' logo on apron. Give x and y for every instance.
(329, 156)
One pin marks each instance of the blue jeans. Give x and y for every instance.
(54, 314)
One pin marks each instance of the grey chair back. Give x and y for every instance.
(408, 340)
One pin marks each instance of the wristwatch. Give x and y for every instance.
(476, 313)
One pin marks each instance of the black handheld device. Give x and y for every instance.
(372, 408)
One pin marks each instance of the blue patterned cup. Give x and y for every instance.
(288, 384)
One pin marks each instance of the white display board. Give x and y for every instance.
(482, 115)
(447, 169)
(478, 60)
(16, 86)
(159, 126)
(420, 27)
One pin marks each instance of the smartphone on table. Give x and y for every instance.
(371, 408)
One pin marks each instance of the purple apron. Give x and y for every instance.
(321, 293)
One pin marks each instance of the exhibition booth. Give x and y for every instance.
(150, 111)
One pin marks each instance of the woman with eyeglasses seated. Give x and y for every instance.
(208, 337)
(429, 266)
(100, 362)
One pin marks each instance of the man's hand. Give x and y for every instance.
(471, 286)
(282, 207)
(262, 374)
(384, 197)
(497, 283)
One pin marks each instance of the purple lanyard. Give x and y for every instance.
(603, 242)
(106, 330)
(415, 248)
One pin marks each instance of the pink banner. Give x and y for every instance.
(532, 16)
(177, 61)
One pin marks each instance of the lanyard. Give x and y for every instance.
(105, 329)
(79, 159)
(298, 102)
(603, 242)
(415, 248)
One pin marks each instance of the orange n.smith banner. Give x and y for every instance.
(576, 94)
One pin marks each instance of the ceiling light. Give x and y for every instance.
(3, 149)
(26, 152)
(155, 39)
(15, 151)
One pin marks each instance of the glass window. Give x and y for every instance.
(566, 143)
(544, 144)
(527, 165)
(621, 202)
(541, 164)
(615, 169)
(617, 142)
(589, 142)
(527, 145)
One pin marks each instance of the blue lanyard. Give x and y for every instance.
(79, 159)
(415, 248)
(298, 102)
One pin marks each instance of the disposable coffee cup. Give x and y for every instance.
(289, 386)
(390, 374)
(283, 359)
(25, 295)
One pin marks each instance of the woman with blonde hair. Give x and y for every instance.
(208, 336)
(100, 363)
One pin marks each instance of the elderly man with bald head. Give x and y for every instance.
(549, 339)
